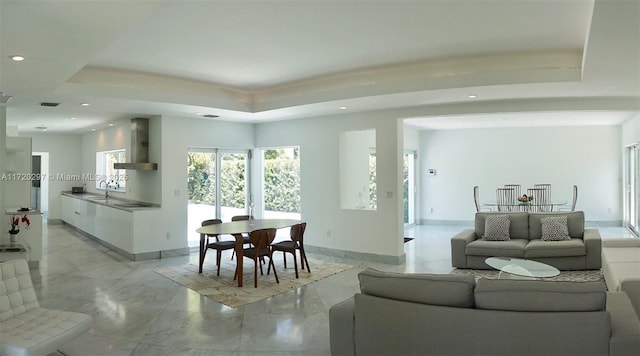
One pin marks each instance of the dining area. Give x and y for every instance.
(254, 239)
(536, 198)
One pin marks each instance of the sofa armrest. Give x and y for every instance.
(593, 243)
(625, 327)
(342, 328)
(458, 245)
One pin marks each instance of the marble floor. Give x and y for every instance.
(139, 312)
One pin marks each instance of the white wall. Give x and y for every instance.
(64, 159)
(379, 232)
(178, 135)
(631, 131)
(589, 157)
(141, 185)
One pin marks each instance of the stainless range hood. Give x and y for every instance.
(139, 147)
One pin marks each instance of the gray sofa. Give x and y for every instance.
(427, 314)
(582, 251)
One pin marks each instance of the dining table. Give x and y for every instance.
(526, 205)
(236, 229)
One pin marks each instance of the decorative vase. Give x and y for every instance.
(13, 236)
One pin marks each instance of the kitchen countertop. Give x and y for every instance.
(116, 203)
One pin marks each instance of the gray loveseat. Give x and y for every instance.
(428, 314)
(582, 251)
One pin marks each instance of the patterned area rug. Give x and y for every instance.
(573, 276)
(224, 289)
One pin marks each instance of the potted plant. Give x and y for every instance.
(15, 226)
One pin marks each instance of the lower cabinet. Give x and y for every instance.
(111, 225)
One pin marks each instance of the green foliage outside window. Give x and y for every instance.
(281, 180)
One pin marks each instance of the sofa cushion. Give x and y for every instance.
(511, 248)
(436, 289)
(540, 248)
(518, 224)
(554, 228)
(575, 223)
(496, 228)
(540, 296)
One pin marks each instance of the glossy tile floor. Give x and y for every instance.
(139, 312)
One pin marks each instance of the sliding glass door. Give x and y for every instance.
(217, 186)
(632, 188)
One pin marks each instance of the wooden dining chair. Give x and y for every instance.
(260, 240)
(476, 200)
(245, 237)
(506, 199)
(218, 245)
(290, 246)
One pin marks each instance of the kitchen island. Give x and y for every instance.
(131, 228)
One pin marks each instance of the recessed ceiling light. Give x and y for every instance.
(17, 58)
(72, 118)
(472, 96)
(93, 129)
(199, 114)
(343, 108)
(85, 104)
(111, 125)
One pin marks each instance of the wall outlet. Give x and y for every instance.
(431, 210)
(328, 233)
(168, 236)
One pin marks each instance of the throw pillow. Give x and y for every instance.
(554, 228)
(496, 228)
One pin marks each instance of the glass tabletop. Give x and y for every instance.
(522, 267)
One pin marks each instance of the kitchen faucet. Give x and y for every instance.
(106, 188)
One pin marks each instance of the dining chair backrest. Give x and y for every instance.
(547, 190)
(262, 238)
(297, 232)
(540, 202)
(475, 198)
(240, 217)
(516, 188)
(575, 198)
(211, 222)
(506, 199)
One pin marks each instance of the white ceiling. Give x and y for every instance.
(530, 63)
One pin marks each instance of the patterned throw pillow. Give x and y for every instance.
(554, 228)
(496, 228)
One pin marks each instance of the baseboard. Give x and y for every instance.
(145, 256)
(360, 256)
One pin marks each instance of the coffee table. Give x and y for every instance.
(522, 267)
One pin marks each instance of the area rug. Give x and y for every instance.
(573, 276)
(224, 289)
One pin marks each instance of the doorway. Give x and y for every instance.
(40, 182)
(632, 188)
(409, 188)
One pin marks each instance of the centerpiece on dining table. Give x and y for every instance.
(525, 199)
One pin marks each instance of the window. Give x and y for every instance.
(281, 183)
(115, 179)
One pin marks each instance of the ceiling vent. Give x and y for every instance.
(210, 116)
(4, 98)
(50, 104)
